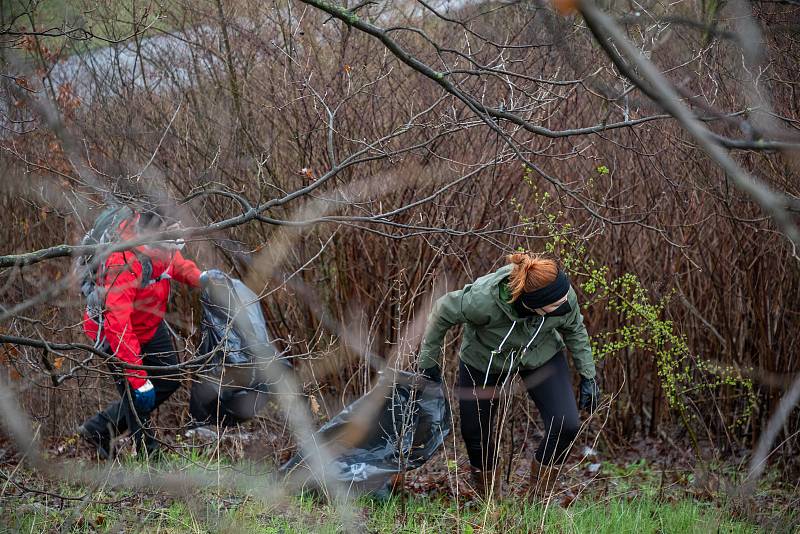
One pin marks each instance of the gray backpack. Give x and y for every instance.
(91, 267)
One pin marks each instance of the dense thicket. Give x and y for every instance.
(241, 101)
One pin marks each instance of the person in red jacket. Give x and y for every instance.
(135, 285)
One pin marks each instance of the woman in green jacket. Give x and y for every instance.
(516, 320)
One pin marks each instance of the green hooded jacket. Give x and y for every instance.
(494, 335)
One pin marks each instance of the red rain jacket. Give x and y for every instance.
(132, 312)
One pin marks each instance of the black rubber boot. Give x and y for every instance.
(99, 440)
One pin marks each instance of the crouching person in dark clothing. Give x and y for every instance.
(518, 319)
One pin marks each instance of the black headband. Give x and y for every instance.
(544, 296)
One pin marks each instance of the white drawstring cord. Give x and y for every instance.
(534, 335)
(508, 375)
(511, 365)
(497, 351)
(491, 355)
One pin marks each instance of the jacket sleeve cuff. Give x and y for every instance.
(587, 370)
(136, 377)
(193, 278)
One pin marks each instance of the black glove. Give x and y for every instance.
(433, 374)
(589, 394)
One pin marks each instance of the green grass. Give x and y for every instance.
(106, 19)
(304, 515)
(616, 516)
(633, 503)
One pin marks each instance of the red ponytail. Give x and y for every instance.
(530, 273)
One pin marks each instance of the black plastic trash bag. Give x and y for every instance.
(233, 385)
(397, 426)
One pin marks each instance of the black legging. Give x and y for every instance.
(550, 388)
(119, 416)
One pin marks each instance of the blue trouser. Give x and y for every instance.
(549, 386)
(121, 416)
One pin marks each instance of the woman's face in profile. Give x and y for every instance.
(551, 307)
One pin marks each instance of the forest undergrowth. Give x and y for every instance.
(647, 488)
